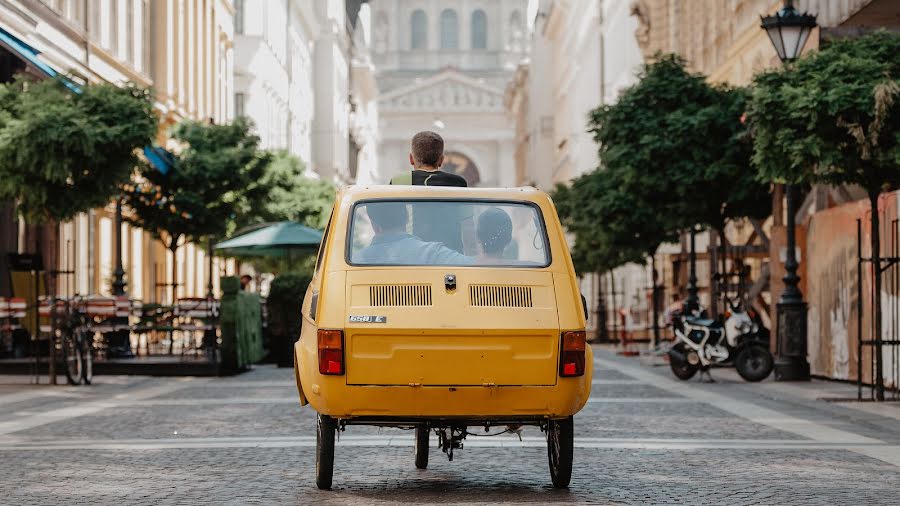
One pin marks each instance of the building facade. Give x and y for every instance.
(443, 66)
(180, 48)
(582, 54)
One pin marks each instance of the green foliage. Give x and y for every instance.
(832, 117)
(673, 154)
(292, 196)
(217, 178)
(284, 302)
(63, 153)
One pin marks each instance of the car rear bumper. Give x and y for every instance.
(330, 395)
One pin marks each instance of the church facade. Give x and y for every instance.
(443, 66)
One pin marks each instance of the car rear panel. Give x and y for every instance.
(404, 327)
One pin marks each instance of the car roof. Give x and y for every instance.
(362, 192)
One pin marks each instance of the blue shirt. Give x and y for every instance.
(405, 249)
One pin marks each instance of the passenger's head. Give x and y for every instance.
(427, 150)
(388, 216)
(494, 231)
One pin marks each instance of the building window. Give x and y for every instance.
(129, 32)
(114, 27)
(238, 16)
(419, 29)
(95, 21)
(239, 105)
(479, 30)
(449, 30)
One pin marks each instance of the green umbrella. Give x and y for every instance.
(285, 239)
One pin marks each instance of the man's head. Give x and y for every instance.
(388, 216)
(427, 151)
(245, 281)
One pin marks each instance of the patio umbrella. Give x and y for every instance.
(285, 239)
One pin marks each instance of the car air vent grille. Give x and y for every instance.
(500, 296)
(400, 295)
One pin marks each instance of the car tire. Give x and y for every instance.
(422, 446)
(325, 432)
(560, 449)
(754, 363)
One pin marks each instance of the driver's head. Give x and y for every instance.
(494, 231)
(427, 150)
(388, 216)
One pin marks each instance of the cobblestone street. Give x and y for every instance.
(643, 438)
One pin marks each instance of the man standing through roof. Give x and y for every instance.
(434, 222)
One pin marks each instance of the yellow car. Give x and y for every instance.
(441, 309)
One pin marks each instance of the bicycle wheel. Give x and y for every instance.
(72, 358)
(87, 355)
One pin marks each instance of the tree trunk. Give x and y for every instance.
(654, 299)
(876, 297)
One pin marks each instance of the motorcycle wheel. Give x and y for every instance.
(754, 363)
(681, 368)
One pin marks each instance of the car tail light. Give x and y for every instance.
(331, 352)
(571, 360)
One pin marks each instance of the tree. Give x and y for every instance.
(682, 148)
(292, 195)
(64, 153)
(216, 178)
(834, 117)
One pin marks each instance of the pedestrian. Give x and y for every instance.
(436, 222)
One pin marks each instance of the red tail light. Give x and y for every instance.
(571, 360)
(331, 352)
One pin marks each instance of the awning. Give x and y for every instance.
(282, 239)
(158, 157)
(30, 56)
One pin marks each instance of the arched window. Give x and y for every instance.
(479, 30)
(419, 29)
(449, 30)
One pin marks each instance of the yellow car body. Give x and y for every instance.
(413, 350)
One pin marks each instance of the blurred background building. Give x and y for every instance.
(443, 65)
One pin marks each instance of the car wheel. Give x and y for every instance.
(325, 430)
(560, 448)
(422, 434)
(754, 363)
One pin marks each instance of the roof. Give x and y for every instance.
(360, 192)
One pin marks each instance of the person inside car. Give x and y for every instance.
(494, 232)
(392, 245)
(434, 222)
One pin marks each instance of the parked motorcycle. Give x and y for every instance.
(701, 343)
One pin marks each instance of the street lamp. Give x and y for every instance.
(788, 30)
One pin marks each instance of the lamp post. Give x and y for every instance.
(789, 30)
(692, 303)
(122, 346)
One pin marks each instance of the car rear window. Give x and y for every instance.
(447, 232)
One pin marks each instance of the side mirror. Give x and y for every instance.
(584, 306)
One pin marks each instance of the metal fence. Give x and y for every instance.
(878, 353)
